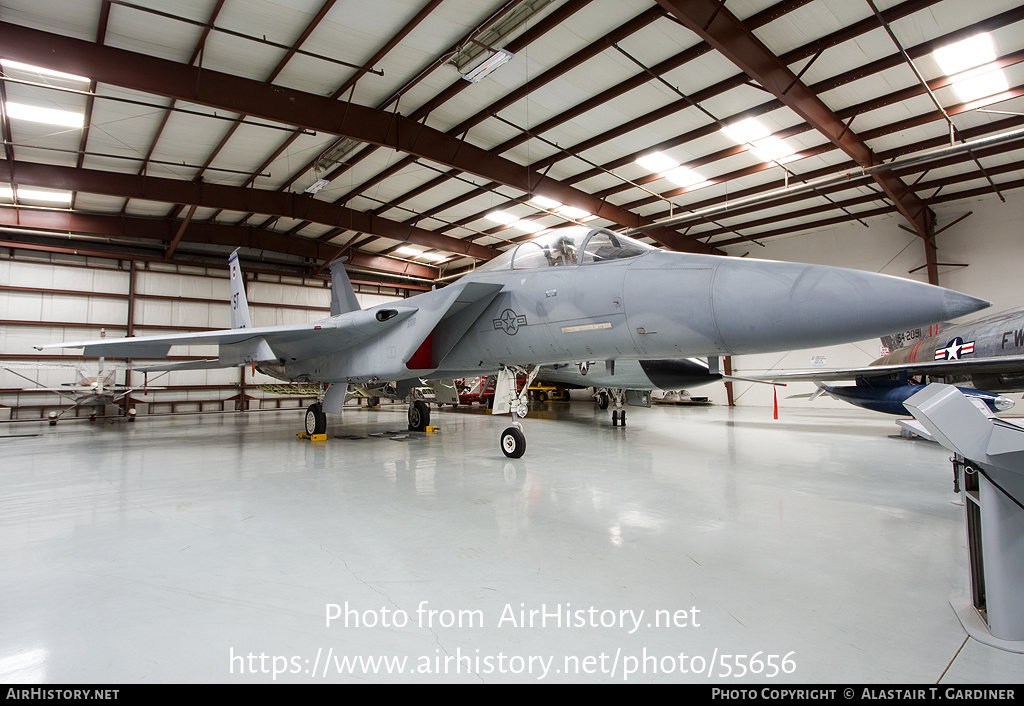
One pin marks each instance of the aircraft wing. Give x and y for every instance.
(938, 368)
(318, 338)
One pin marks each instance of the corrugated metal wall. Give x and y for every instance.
(48, 298)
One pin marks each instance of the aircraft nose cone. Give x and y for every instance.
(793, 305)
(958, 304)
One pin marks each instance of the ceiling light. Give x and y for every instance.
(6, 192)
(576, 214)
(528, 226)
(336, 154)
(409, 252)
(977, 85)
(544, 202)
(512, 22)
(435, 256)
(502, 217)
(47, 196)
(657, 162)
(49, 116)
(682, 176)
(28, 68)
(771, 149)
(744, 131)
(965, 54)
(488, 66)
(316, 186)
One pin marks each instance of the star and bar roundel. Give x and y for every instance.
(954, 350)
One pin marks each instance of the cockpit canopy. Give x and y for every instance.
(568, 246)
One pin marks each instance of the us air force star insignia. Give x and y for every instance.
(509, 322)
(954, 349)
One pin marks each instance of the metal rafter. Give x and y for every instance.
(715, 24)
(216, 89)
(163, 230)
(233, 198)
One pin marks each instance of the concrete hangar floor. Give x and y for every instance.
(222, 548)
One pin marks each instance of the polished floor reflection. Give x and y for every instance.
(696, 540)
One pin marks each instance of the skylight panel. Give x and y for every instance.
(965, 54)
(501, 217)
(657, 162)
(48, 116)
(39, 70)
(544, 203)
(746, 131)
(59, 197)
(966, 61)
(683, 176)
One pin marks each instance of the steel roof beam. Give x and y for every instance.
(158, 76)
(715, 24)
(163, 230)
(233, 198)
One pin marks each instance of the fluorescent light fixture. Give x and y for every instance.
(771, 149)
(576, 214)
(28, 68)
(965, 54)
(528, 226)
(544, 202)
(47, 196)
(488, 65)
(316, 186)
(413, 252)
(49, 116)
(502, 217)
(745, 131)
(977, 85)
(657, 162)
(6, 192)
(683, 176)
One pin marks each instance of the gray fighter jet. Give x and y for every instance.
(568, 295)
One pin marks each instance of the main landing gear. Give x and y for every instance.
(606, 398)
(419, 415)
(316, 420)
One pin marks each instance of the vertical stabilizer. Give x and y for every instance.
(343, 296)
(239, 304)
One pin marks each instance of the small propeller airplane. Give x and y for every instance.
(89, 390)
(572, 294)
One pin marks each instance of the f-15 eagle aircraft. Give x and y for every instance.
(572, 294)
(986, 353)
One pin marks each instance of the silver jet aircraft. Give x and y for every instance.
(569, 295)
(987, 354)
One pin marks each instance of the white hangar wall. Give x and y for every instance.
(990, 242)
(49, 298)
